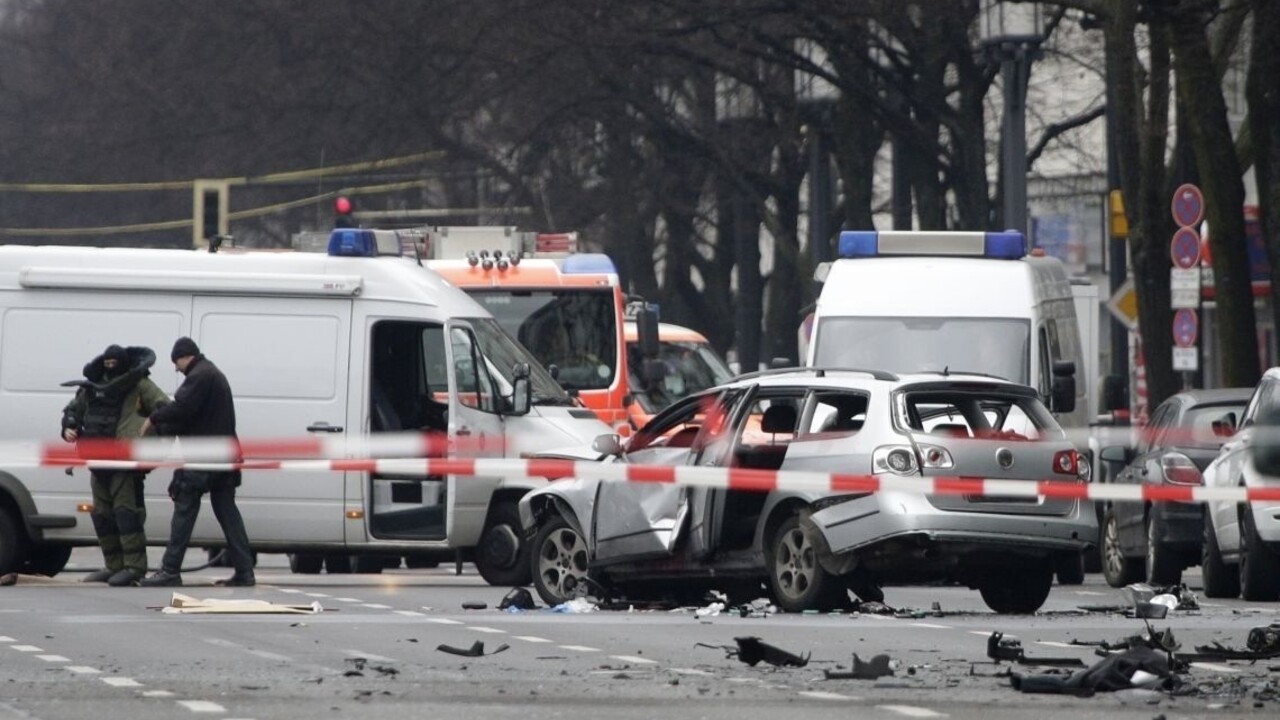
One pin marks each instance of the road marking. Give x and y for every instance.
(54, 658)
(26, 648)
(158, 693)
(1214, 667)
(931, 625)
(84, 669)
(483, 629)
(291, 591)
(1089, 592)
(912, 711)
(368, 656)
(269, 655)
(121, 682)
(822, 695)
(349, 600)
(579, 648)
(376, 606)
(1054, 643)
(6, 639)
(316, 594)
(409, 613)
(873, 616)
(691, 671)
(444, 621)
(202, 706)
(531, 638)
(634, 659)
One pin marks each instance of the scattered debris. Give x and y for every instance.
(1136, 667)
(187, 605)
(877, 667)
(1001, 648)
(476, 649)
(753, 650)
(1265, 638)
(474, 605)
(518, 598)
(358, 665)
(9, 579)
(710, 610)
(758, 608)
(576, 605)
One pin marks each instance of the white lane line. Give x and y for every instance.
(221, 643)
(1214, 667)
(821, 695)
(291, 591)
(931, 625)
(6, 639)
(1054, 643)
(912, 711)
(531, 638)
(579, 648)
(872, 616)
(158, 693)
(83, 669)
(691, 671)
(317, 594)
(444, 621)
(26, 648)
(202, 706)
(121, 682)
(987, 633)
(270, 655)
(483, 629)
(634, 659)
(376, 606)
(368, 656)
(349, 600)
(54, 658)
(1090, 592)
(410, 613)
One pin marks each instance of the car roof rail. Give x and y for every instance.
(818, 372)
(947, 372)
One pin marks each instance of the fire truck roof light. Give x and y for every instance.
(353, 242)
(1007, 245)
(585, 263)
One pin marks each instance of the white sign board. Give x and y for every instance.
(1186, 359)
(1184, 287)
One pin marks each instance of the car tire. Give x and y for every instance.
(46, 559)
(306, 563)
(11, 542)
(337, 564)
(368, 564)
(502, 555)
(1163, 566)
(797, 580)
(1022, 595)
(1069, 567)
(1220, 581)
(1117, 569)
(1259, 566)
(558, 561)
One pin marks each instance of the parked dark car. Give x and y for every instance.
(1155, 542)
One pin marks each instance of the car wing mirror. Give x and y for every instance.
(1225, 426)
(610, 444)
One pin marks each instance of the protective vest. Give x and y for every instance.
(103, 406)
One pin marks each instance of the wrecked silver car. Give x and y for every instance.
(811, 548)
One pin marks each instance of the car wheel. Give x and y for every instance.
(558, 562)
(368, 564)
(1219, 580)
(1163, 565)
(502, 555)
(1022, 594)
(46, 559)
(1259, 566)
(798, 582)
(1117, 569)
(337, 564)
(306, 563)
(1069, 567)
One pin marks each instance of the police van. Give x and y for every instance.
(354, 341)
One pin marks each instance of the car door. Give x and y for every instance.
(635, 520)
(1229, 467)
(474, 429)
(1131, 516)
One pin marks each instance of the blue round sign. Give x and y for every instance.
(1188, 205)
(1186, 327)
(1185, 248)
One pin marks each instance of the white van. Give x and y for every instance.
(952, 301)
(349, 342)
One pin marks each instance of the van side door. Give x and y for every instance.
(475, 429)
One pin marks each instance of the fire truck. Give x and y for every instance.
(566, 307)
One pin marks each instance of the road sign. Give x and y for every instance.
(1185, 248)
(1188, 205)
(1184, 287)
(1186, 328)
(1186, 358)
(1124, 305)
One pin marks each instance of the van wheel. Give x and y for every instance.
(1259, 567)
(46, 559)
(368, 564)
(1017, 595)
(337, 564)
(306, 563)
(10, 542)
(1163, 565)
(798, 582)
(1069, 567)
(1116, 568)
(558, 562)
(1219, 580)
(502, 555)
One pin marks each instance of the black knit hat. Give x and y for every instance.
(117, 353)
(183, 347)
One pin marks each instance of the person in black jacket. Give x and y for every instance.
(202, 406)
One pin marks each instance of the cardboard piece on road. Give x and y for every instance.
(185, 604)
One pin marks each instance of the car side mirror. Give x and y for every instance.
(646, 319)
(610, 444)
(1225, 426)
(1266, 443)
(521, 392)
(1062, 396)
(1117, 454)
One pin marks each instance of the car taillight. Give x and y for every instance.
(1179, 470)
(897, 459)
(932, 456)
(1066, 462)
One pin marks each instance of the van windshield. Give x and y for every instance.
(995, 346)
(502, 354)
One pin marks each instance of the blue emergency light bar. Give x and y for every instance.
(585, 263)
(353, 242)
(1007, 245)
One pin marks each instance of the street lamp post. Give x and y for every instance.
(1012, 32)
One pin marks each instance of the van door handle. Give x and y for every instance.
(463, 432)
(324, 427)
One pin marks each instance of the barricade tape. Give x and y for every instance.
(732, 478)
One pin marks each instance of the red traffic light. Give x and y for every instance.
(342, 205)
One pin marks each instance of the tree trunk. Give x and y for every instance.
(1264, 117)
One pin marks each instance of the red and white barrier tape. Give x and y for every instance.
(733, 478)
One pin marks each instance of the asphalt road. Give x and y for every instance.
(74, 651)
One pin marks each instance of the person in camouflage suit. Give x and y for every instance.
(112, 401)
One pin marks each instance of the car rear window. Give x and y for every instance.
(976, 414)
